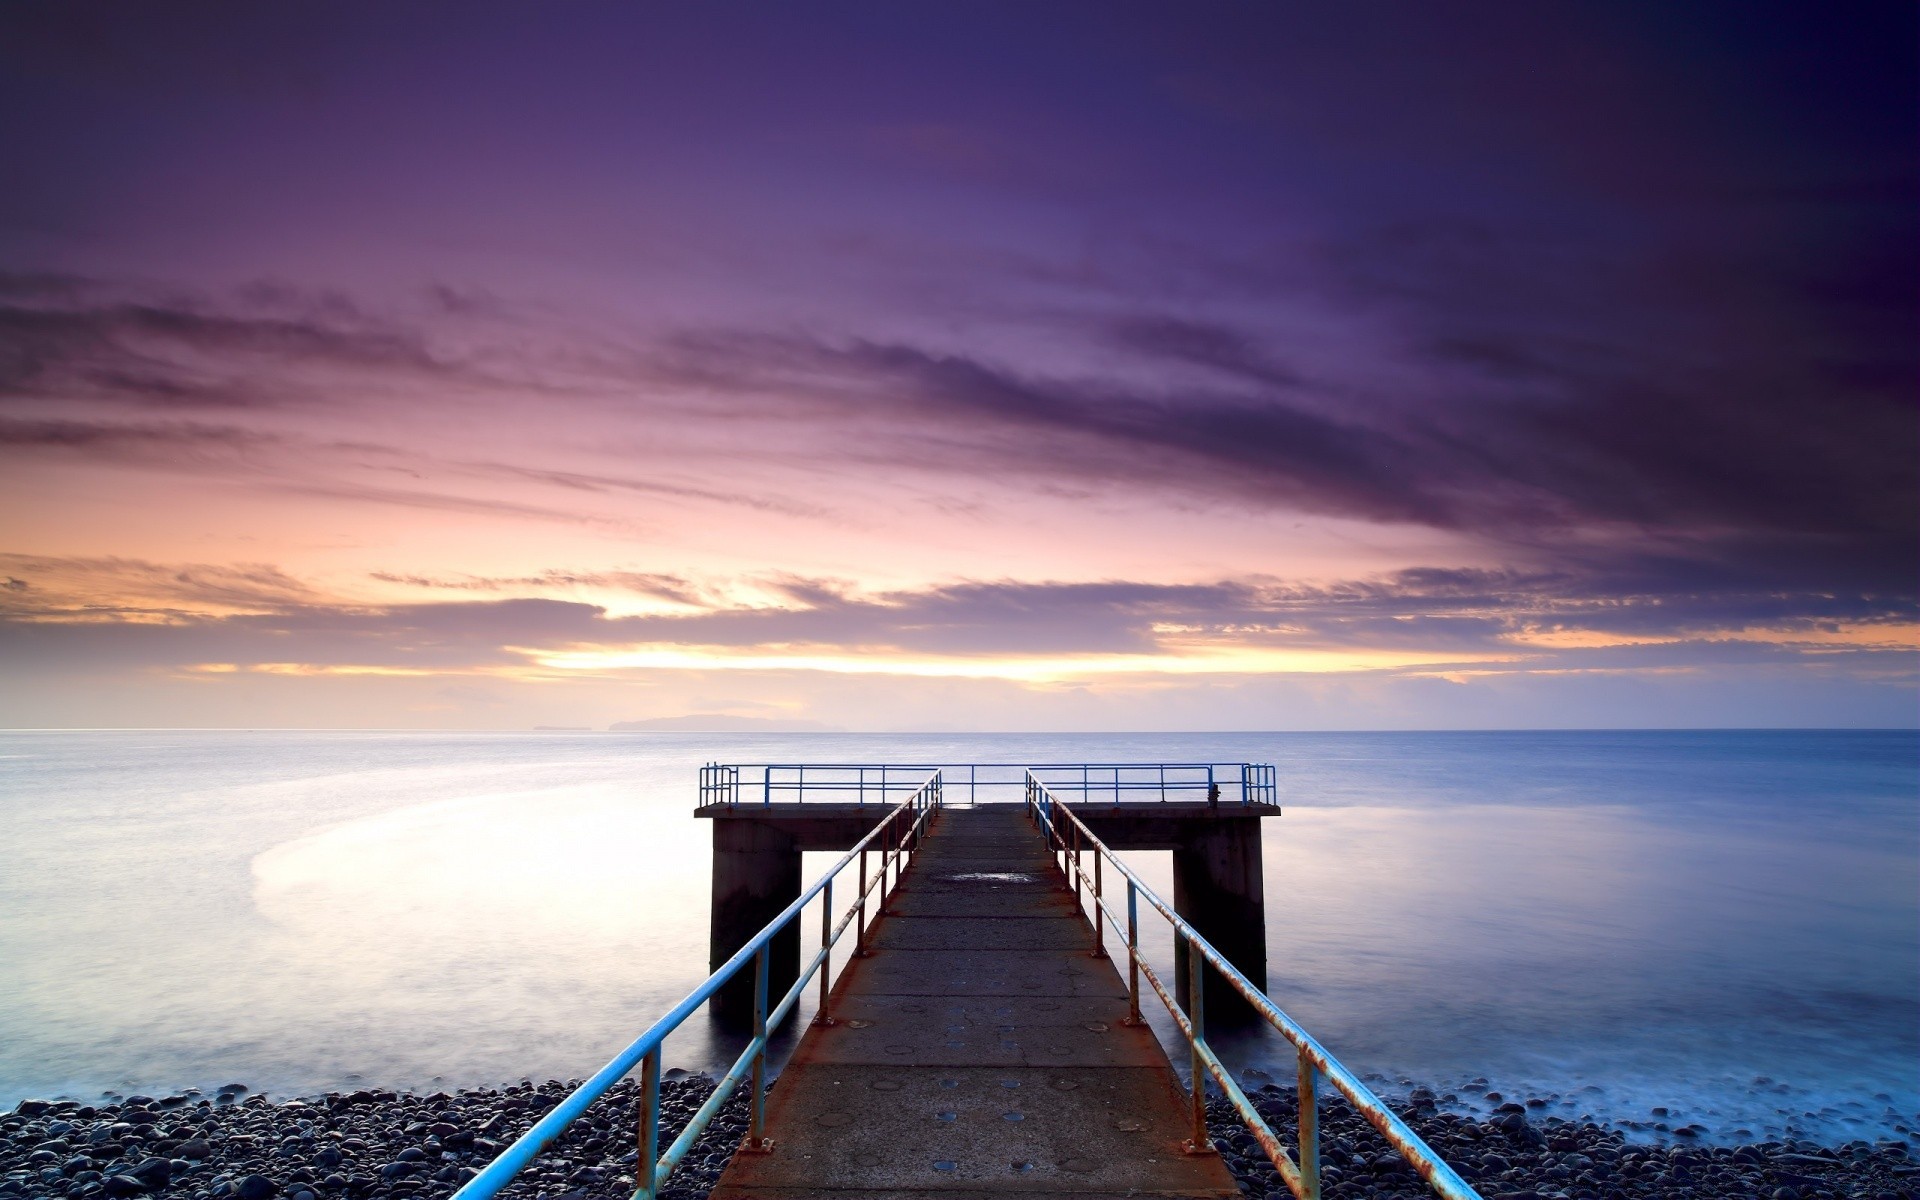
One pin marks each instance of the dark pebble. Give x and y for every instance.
(256, 1187)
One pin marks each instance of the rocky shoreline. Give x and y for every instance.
(364, 1144)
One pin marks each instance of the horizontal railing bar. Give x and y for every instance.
(1023, 765)
(1426, 1162)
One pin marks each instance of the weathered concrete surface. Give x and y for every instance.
(979, 1050)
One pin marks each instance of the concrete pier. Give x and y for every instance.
(1217, 880)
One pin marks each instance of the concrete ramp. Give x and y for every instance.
(980, 1049)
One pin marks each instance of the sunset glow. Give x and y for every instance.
(957, 369)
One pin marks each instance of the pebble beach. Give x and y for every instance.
(373, 1143)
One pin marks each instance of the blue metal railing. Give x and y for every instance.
(1069, 837)
(858, 783)
(898, 835)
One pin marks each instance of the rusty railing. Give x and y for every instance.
(1069, 837)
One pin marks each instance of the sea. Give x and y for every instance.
(1652, 929)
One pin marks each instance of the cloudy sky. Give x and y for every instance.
(973, 366)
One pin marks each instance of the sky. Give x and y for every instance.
(960, 366)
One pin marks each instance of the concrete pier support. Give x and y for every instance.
(1217, 885)
(756, 874)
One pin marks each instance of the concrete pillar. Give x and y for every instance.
(756, 874)
(1218, 887)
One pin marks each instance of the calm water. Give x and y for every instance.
(1726, 923)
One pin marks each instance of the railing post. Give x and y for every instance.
(1199, 1142)
(757, 1103)
(898, 834)
(1059, 843)
(647, 1162)
(860, 930)
(1133, 954)
(1099, 912)
(1308, 1094)
(1078, 876)
(823, 1017)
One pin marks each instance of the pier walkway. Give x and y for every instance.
(979, 1047)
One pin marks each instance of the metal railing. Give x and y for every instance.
(861, 783)
(1069, 837)
(898, 836)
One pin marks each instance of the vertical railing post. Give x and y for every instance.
(1078, 876)
(860, 930)
(823, 1017)
(757, 1102)
(1099, 911)
(1060, 843)
(898, 835)
(757, 1099)
(647, 1162)
(1309, 1159)
(1199, 1142)
(1133, 954)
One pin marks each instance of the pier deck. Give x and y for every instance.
(980, 1048)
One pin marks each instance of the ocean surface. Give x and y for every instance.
(1724, 924)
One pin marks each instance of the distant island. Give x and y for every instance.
(563, 729)
(721, 723)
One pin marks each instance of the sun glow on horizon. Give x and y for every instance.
(1038, 669)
